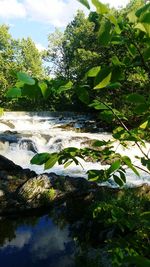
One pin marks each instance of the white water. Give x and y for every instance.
(42, 132)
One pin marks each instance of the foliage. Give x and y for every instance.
(126, 67)
(15, 56)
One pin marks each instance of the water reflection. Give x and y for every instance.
(35, 241)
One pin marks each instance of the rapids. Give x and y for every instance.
(22, 134)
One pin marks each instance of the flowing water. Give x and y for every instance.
(45, 240)
(24, 134)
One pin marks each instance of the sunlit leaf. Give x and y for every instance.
(65, 87)
(67, 164)
(93, 72)
(85, 3)
(144, 125)
(140, 26)
(128, 162)
(104, 33)
(114, 166)
(53, 158)
(100, 7)
(104, 82)
(44, 88)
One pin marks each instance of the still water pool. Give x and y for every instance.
(36, 241)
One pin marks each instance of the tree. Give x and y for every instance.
(16, 55)
(29, 58)
(7, 59)
(73, 52)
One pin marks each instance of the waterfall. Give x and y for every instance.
(22, 134)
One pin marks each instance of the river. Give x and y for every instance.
(46, 239)
(23, 134)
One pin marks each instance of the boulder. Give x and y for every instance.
(22, 189)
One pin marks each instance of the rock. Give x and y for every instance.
(9, 137)
(8, 165)
(35, 187)
(28, 145)
(22, 189)
(2, 193)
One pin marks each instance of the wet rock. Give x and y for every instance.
(8, 123)
(8, 165)
(22, 189)
(28, 145)
(34, 190)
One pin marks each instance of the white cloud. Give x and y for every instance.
(12, 9)
(55, 12)
(40, 47)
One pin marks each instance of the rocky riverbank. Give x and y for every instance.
(22, 189)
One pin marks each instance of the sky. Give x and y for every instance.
(38, 18)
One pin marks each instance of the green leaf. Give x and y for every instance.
(104, 82)
(128, 162)
(122, 176)
(144, 125)
(132, 50)
(99, 143)
(140, 27)
(132, 17)
(136, 98)
(65, 87)
(93, 72)
(114, 166)
(23, 77)
(142, 10)
(145, 18)
(83, 94)
(116, 62)
(146, 53)
(31, 91)
(100, 7)
(141, 108)
(85, 3)
(53, 158)
(40, 159)
(13, 92)
(118, 180)
(104, 34)
(96, 175)
(112, 19)
(146, 215)
(138, 261)
(114, 85)
(98, 105)
(44, 88)
(67, 164)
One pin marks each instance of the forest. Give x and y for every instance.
(98, 65)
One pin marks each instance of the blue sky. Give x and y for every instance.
(38, 18)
